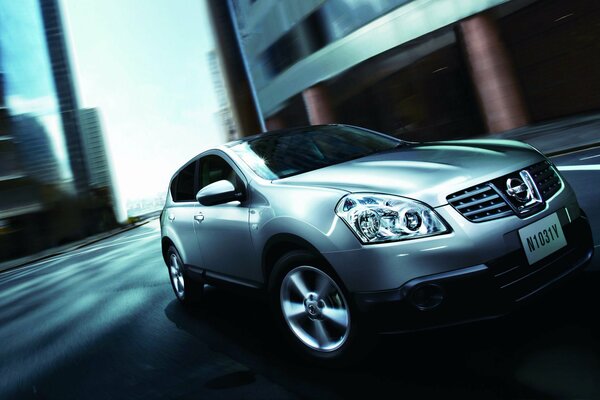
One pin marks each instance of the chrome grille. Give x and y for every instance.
(546, 179)
(480, 203)
(486, 201)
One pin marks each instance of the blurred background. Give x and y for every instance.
(424, 70)
(100, 102)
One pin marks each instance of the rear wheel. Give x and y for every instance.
(314, 310)
(187, 290)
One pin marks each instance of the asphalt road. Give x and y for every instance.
(102, 322)
(582, 170)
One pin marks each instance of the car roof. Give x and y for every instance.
(283, 131)
(225, 148)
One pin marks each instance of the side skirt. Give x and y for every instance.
(224, 281)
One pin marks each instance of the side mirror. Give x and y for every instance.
(218, 192)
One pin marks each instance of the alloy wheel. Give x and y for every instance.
(315, 308)
(176, 273)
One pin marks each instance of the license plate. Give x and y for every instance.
(542, 238)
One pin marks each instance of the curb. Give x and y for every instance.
(73, 247)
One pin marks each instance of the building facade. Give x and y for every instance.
(19, 195)
(94, 149)
(224, 114)
(46, 195)
(30, 177)
(421, 69)
(64, 83)
(102, 196)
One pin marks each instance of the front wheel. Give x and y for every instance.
(314, 310)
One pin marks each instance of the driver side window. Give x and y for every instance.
(214, 168)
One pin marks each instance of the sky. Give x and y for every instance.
(144, 65)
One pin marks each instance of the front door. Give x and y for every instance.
(223, 230)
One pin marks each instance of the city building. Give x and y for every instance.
(94, 149)
(54, 32)
(28, 112)
(21, 204)
(35, 149)
(46, 194)
(99, 171)
(421, 69)
(224, 112)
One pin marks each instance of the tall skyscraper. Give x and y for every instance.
(35, 150)
(94, 149)
(102, 191)
(19, 196)
(38, 105)
(65, 91)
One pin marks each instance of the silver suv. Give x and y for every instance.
(350, 231)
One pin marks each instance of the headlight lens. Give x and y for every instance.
(377, 218)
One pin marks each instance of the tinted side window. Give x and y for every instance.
(184, 184)
(214, 168)
(173, 188)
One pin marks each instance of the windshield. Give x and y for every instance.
(276, 156)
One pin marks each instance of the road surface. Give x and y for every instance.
(102, 322)
(582, 170)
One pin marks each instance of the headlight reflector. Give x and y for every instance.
(377, 218)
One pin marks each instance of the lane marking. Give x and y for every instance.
(52, 261)
(575, 151)
(58, 261)
(102, 246)
(590, 167)
(588, 157)
(112, 240)
(563, 17)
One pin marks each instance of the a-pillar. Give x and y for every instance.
(497, 88)
(318, 105)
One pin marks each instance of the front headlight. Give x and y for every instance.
(377, 218)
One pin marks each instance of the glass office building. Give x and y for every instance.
(421, 69)
(29, 91)
(45, 191)
(31, 175)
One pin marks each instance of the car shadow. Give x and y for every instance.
(543, 349)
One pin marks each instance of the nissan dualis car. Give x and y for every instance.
(349, 231)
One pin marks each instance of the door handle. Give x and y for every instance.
(199, 217)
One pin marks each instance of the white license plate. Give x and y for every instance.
(542, 238)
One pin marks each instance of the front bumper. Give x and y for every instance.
(477, 292)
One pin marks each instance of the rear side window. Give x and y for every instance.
(183, 185)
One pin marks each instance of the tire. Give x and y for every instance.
(315, 312)
(187, 290)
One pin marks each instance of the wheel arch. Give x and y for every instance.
(279, 245)
(165, 243)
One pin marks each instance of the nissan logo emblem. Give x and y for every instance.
(518, 189)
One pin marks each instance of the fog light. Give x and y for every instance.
(427, 296)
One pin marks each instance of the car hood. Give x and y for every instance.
(428, 172)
